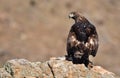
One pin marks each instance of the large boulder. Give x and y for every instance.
(53, 68)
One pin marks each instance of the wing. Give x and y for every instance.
(72, 40)
(92, 42)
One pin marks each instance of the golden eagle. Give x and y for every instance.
(82, 40)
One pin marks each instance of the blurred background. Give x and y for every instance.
(37, 29)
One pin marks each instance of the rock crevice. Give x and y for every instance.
(51, 70)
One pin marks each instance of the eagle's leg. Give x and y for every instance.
(77, 57)
(88, 63)
(70, 53)
(69, 57)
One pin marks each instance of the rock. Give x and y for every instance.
(66, 69)
(4, 74)
(21, 68)
(53, 68)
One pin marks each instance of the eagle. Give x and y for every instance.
(82, 41)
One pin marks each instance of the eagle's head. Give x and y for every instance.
(73, 15)
(76, 16)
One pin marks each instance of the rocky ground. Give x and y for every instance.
(53, 68)
(37, 29)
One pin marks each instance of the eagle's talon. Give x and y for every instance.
(90, 65)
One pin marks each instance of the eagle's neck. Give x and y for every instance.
(80, 19)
